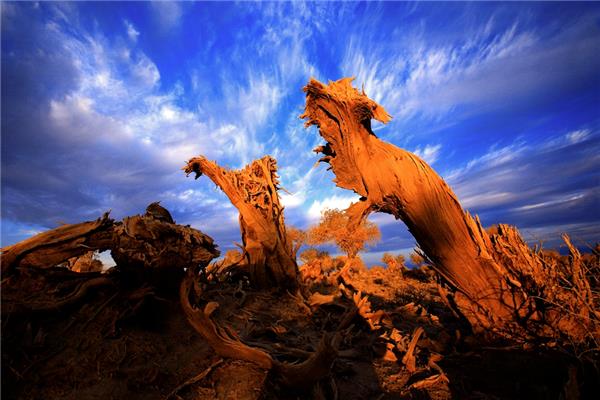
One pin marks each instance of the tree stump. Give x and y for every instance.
(268, 255)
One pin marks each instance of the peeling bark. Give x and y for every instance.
(494, 276)
(268, 257)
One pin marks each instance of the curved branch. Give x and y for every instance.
(56, 246)
(226, 343)
(218, 338)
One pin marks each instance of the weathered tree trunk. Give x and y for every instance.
(252, 190)
(147, 251)
(145, 248)
(493, 275)
(56, 246)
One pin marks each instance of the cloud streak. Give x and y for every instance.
(102, 105)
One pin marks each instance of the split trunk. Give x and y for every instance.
(268, 255)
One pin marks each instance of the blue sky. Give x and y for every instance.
(102, 104)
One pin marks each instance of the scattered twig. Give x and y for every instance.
(194, 379)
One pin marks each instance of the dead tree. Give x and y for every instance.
(56, 246)
(498, 282)
(268, 258)
(144, 247)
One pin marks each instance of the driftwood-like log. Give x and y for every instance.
(56, 246)
(268, 257)
(147, 248)
(499, 282)
(152, 243)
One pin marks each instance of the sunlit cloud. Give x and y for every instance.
(332, 203)
(101, 111)
(429, 153)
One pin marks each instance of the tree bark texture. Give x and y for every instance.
(496, 277)
(56, 246)
(268, 257)
(143, 247)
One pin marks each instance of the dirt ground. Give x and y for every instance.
(136, 344)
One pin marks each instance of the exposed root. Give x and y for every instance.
(220, 339)
(226, 343)
(313, 369)
(10, 308)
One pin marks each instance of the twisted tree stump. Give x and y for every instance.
(268, 255)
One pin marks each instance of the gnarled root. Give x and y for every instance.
(315, 368)
(48, 305)
(226, 343)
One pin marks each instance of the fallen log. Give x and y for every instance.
(145, 248)
(55, 246)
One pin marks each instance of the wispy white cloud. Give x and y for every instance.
(132, 33)
(333, 202)
(560, 199)
(489, 68)
(550, 235)
(249, 106)
(493, 157)
(119, 102)
(502, 183)
(578, 135)
(105, 110)
(300, 189)
(429, 153)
